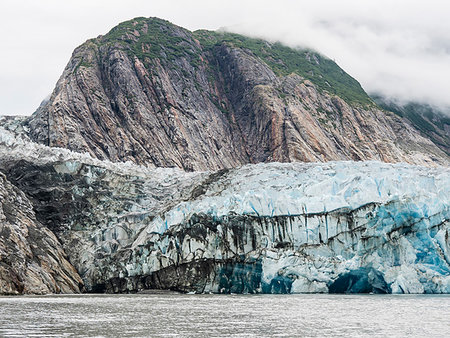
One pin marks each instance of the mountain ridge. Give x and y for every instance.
(431, 121)
(159, 95)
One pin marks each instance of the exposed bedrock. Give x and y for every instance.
(32, 260)
(156, 94)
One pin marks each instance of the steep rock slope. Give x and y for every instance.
(275, 228)
(157, 94)
(32, 260)
(430, 121)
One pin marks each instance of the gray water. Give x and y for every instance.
(176, 315)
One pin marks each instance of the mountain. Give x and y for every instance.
(157, 94)
(432, 122)
(263, 228)
(88, 203)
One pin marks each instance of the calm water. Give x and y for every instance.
(162, 315)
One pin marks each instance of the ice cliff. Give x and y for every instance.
(280, 228)
(337, 227)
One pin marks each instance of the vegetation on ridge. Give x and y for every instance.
(151, 38)
(428, 120)
(283, 60)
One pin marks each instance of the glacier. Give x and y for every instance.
(261, 228)
(307, 225)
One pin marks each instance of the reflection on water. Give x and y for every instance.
(162, 315)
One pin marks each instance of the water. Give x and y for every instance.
(176, 315)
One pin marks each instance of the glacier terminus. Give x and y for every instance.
(334, 227)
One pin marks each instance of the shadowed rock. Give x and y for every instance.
(32, 260)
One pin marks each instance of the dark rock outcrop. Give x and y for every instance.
(32, 260)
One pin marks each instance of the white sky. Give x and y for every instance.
(396, 47)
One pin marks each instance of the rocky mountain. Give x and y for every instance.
(157, 94)
(272, 228)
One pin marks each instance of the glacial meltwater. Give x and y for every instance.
(179, 315)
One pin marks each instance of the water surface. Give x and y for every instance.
(177, 315)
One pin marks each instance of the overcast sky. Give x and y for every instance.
(398, 48)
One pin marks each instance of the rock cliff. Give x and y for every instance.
(32, 260)
(433, 122)
(160, 95)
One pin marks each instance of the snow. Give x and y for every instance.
(17, 146)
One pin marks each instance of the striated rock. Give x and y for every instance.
(160, 95)
(32, 260)
(433, 122)
(158, 112)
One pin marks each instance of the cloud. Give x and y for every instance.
(400, 49)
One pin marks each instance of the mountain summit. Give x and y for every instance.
(160, 95)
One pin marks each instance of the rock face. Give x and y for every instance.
(157, 94)
(273, 228)
(433, 122)
(32, 260)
